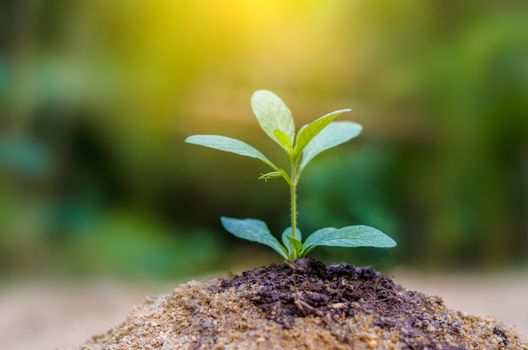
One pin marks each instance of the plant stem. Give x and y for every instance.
(293, 204)
(293, 197)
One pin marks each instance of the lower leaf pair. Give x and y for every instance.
(293, 247)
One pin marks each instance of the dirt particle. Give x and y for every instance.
(501, 334)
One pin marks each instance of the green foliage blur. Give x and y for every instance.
(96, 98)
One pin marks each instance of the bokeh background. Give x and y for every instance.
(96, 98)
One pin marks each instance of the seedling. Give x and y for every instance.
(276, 120)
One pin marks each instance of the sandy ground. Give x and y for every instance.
(49, 316)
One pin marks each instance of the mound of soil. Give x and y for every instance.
(303, 305)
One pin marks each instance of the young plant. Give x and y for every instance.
(276, 120)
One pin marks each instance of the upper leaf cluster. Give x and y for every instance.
(275, 118)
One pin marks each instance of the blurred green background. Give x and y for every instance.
(96, 98)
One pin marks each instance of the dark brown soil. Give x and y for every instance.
(302, 305)
(308, 287)
(337, 291)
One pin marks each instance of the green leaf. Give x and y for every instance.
(270, 175)
(253, 230)
(228, 144)
(350, 236)
(333, 135)
(272, 114)
(274, 175)
(311, 241)
(295, 245)
(308, 132)
(284, 141)
(287, 235)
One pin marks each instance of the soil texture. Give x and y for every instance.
(302, 305)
